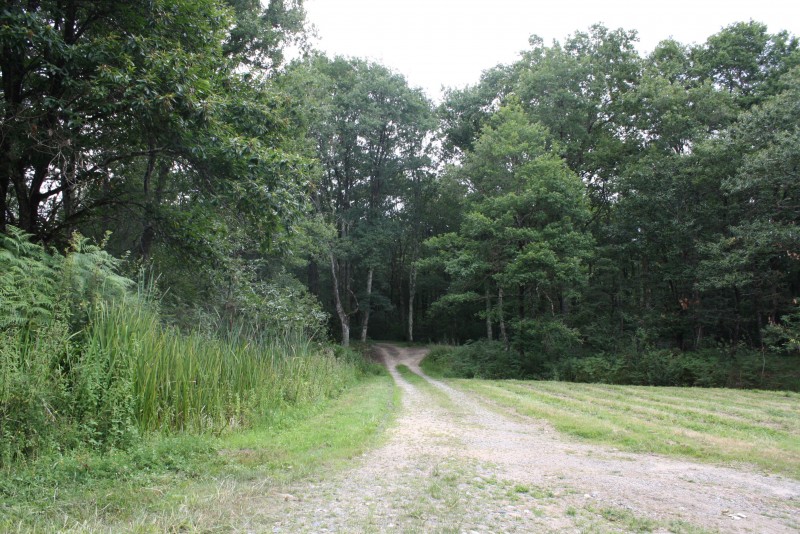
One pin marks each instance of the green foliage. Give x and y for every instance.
(746, 61)
(146, 485)
(288, 308)
(86, 363)
(369, 131)
(262, 30)
(523, 233)
(786, 335)
(597, 215)
(481, 359)
(440, 362)
(34, 402)
(28, 276)
(39, 286)
(50, 388)
(245, 303)
(704, 368)
(688, 160)
(546, 340)
(196, 382)
(139, 118)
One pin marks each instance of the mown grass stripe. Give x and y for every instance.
(550, 411)
(728, 400)
(736, 398)
(660, 428)
(690, 417)
(677, 417)
(788, 419)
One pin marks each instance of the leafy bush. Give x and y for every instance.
(542, 341)
(280, 307)
(287, 306)
(29, 277)
(44, 299)
(712, 367)
(33, 396)
(717, 367)
(441, 362)
(785, 335)
(86, 362)
(481, 359)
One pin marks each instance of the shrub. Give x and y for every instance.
(480, 359)
(715, 367)
(33, 396)
(86, 362)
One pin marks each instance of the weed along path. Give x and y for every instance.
(453, 463)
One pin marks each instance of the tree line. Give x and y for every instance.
(684, 235)
(582, 205)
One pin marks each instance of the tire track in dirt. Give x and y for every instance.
(452, 464)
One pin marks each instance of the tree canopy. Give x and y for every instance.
(583, 200)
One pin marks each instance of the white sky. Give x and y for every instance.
(437, 43)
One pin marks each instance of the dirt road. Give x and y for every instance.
(454, 464)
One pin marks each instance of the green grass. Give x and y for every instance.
(594, 519)
(198, 382)
(165, 483)
(441, 397)
(124, 374)
(438, 362)
(411, 376)
(716, 425)
(294, 448)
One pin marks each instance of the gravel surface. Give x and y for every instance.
(454, 464)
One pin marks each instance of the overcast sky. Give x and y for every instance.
(449, 43)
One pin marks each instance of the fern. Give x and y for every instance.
(28, 278)
(51, 387)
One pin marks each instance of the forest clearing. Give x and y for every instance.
(207, 221)
(458, 459)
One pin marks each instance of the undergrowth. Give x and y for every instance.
(164, 482)
(716, 367)
(87, 363)
(102, 401)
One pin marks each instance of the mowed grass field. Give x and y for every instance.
(723, 426)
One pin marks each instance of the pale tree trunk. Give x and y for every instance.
(365, 321)
(412, 293)
(488, 315)
(501, 319)
(344, 318)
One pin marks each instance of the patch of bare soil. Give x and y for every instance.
(453, 465)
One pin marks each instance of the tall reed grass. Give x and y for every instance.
(87, 361)
(198, 382)
(127, 374)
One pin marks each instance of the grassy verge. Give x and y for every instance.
(162, 483)
(411, 377)
(325, 438)
(441, 397)
(716, 425)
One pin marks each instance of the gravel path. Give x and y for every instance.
(453, 465)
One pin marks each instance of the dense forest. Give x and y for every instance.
(584, 213)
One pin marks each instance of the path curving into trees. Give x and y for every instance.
(452, 463)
